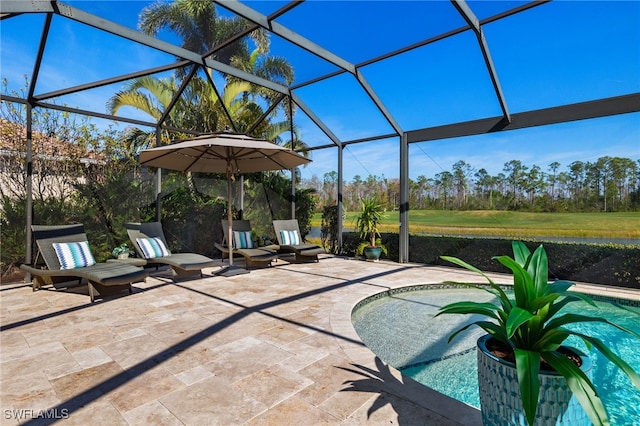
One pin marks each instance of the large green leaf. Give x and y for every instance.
(522, 282)
(458, 331)
(464, 264)
(557, 306)
(539, 302)
(500, 293)
(521, 252)
(574, 297)
(539, 271)
(490, 327)
(476, 286)
(528, 367)
(517, 317)
(551, 340)
(487, 309)
(573, 318)
(580, 385)
(613, 357)
(559, 286)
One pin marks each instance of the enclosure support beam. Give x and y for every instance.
(240, 198)
(102, 24)
(177, 95)
(403, 232)
(293, 171)
(339, 196)
(29, 201)
(280, 30)
(295, 98)
(29, 147)
(158, 179)
(293, 193)
(378, 102)
(474, 24)
(542, 117)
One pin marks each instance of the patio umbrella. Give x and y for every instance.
(228, 153)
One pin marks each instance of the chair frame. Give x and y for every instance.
(253, 258)
(182, 264)
(103, 279)
(304, 252)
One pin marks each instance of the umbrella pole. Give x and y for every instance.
(229, 219)
(230, 270)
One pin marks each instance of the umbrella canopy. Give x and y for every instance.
(223, 153)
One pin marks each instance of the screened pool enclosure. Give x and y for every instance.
(376, 85)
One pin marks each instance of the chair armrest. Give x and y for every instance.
(45, 272)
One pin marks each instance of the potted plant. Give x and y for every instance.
(122, 251)
(526, 334)
(367, 223)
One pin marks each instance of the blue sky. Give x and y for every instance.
(558, 53)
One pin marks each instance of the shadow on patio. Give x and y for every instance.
(270, 347)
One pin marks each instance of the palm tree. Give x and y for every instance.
(198, 108)
(148, 94)
(280, 133)
(201, 29)
(273, 68)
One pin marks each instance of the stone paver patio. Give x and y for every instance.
(274, 347)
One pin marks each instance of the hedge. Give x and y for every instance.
(604, 264)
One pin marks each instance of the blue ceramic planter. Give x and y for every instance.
(372, 253)
(500, 394)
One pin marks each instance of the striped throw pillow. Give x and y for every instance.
(74, 255)
(152, 247)
(242, 240)
(290, 238)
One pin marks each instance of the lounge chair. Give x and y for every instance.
(253, 256)
(290, 241)
(150, 244)
(64, 249)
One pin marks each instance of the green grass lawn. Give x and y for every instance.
(510, 224)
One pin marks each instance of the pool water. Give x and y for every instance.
(400, 329)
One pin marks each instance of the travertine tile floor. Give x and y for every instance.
(273, 347)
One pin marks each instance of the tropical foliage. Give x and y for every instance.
(93, 192)
(239, 107)
(80, 174)
(371, 213)
(200, 107)
(532, 324)
(201, 29)
(329, 228)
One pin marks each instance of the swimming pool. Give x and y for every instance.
(398, 326)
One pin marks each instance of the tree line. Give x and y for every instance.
(605, 185)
